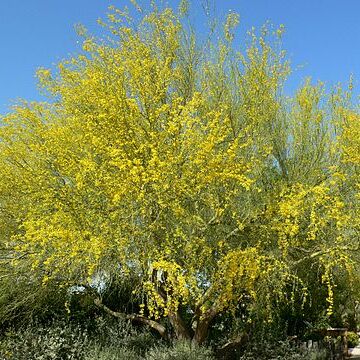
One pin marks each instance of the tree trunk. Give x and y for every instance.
(181, 331)
(201, 332)
(202, 327)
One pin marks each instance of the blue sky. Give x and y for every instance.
(321, 35)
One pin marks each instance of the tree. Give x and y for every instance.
(180, 162)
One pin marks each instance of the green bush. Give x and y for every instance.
(180, 351)
(60, 341)
(283, 350)
(116, 333)
(110, 353)
(352, 339)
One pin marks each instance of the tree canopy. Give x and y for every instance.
(181, 161)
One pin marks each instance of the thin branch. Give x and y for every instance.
(133, 317)
(232, 233)
(323, 252)
(203, 299)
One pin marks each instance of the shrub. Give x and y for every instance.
(180, 351)
(352, 339)
(283, 350)
(60, 341)
(111, 353)
(115, 333)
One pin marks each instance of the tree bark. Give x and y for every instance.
(202, 326)
(181, 331)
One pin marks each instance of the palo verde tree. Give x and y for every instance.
(181, 162)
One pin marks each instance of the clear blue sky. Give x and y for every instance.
(323, 35)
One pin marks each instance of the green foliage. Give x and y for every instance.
(114, 333)
(283, 350)
(352, 339)
(108, 341)
(180, 351)
(111, 353)
(23, 298)
(57, 342)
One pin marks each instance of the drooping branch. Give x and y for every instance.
(133, 317)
